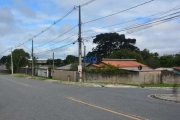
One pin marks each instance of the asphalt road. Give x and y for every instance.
(25, 99)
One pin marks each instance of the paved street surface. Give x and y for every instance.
(25, 99)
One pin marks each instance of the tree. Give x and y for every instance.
(3, 60)
(70, 59)
(109, 42)
(74, 66)
(94, 54)
(49, 61)
(126, 54)
(150, 59)
(20, 59)
(177, 60)
(57, 62)
(167, 61)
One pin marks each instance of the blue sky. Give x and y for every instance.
(22, 19)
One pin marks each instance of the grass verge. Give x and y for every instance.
(160, 85)
(28, 76)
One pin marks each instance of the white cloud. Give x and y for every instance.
(22, 20)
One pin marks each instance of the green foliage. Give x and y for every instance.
(177, 60)
(152, 62)
(109, 42)
(20, 59)
(70, 59)
(3, 60)
(58, 62)
(126, 54)
(94, 54)
(150, 59)
(168, 61)
(8, 62)
(106, 69)
(74, 66)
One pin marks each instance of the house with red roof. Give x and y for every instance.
(126, 64)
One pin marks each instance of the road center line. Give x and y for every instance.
(105, 109)
(17, 82)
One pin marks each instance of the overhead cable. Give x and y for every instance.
(118, 12)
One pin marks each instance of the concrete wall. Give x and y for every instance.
(133, 78)
(110, 77)
(64, 75)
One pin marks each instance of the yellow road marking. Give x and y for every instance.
(17, 82)
(105, 109)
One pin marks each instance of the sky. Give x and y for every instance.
(22, 20)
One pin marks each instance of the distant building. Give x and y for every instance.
(66, 67)
(2, 67)
(40, 62)
(176, 70)
(125, 64)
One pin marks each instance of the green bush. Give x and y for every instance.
(106, 69)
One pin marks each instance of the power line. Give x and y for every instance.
(118, 12)
(86, 3)
(54, 23)
(58, 36)
(58, 47)
(6, 51)
(161, 13)
(50, 54)
(157, 21)
(153, 24)
(74, 8)
(63, 40)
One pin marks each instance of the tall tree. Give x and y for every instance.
(70, 59)
(126, 54)
(167, 61)
(150, 59)
(20, 59)
(177, 60)
(3, 60)
(58, 62)
(109, 42)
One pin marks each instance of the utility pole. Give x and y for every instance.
(80, 49)
(32, 60)
(53, 60)
(84, 56)
(11, 62)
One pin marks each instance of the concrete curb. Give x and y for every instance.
(167, 97)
